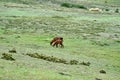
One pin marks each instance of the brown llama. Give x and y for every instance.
(57, 41)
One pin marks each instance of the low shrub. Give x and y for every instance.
(118, 41)
(13, 50)
(69, 5)
(7, 56)
(73, 62)
(56, 59)
(85, 63)
(48, 58)
(106, 9)
(117, 11)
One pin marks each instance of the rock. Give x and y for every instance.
(102, 71)
(13, 50)
(98, 79)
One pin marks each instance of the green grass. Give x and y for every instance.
(17, 72)
(88, 37)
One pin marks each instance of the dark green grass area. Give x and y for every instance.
(91, 41)
(68, 5)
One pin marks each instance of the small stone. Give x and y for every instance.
(97, 79)
(103, 71)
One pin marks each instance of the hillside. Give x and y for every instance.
(91, 40)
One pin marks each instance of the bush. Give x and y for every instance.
(106, 2)
(106, 9)
(118, 41)
(80, 6)
(69, 5)
(73, 62)
(13, 50)
(117, 11)
(48, 58)
(85, 63)
(7, 56)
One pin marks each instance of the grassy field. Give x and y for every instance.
(91, 40)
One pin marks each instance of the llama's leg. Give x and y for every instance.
(56, 44)
(62, 46)
(53, 44)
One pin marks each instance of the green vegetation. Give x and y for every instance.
(91, 40)
(69, 5)
(117, 10)
(48, 58)
(7, 56)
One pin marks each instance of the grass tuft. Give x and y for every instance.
(47, 58)
(74, 62)
(7, 56)
(85, 63)
(69, 5)
(57, 60)
(13, 50)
